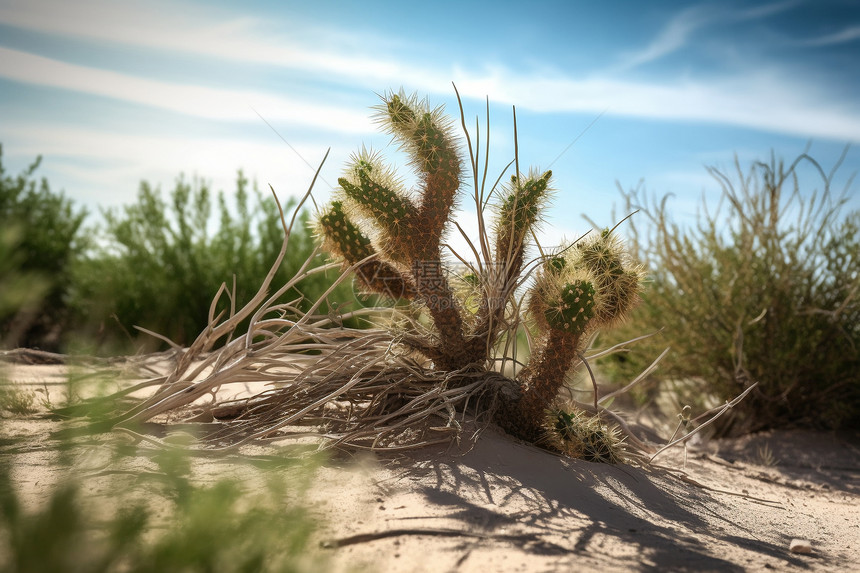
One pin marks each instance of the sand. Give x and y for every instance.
(500, 505)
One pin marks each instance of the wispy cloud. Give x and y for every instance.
(762, 98)
(197, 101)
(844, 36)
(193, 29)
(766, 10)
(681, 28)
(671, 38)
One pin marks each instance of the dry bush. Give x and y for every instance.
(762, 289)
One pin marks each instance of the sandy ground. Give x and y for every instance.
(506, 506)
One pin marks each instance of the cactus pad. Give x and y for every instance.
(586, 437)
(618, 280)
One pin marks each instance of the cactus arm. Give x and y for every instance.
(517, 217)
(427, 138)
(555, 354)
(376, 195)
(592, 286)
(343, 238)
(617, 278)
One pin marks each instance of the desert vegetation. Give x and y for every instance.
(150, 512)
(761, 292)
(76, 285)
(431, 362)
(357, 327)
(762, 288)
(41, 237)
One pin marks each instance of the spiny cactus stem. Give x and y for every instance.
(435, 291)
(550, 364)
(540, 383)
(383, 278)
(342, 236)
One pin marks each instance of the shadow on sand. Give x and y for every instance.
(546, 505)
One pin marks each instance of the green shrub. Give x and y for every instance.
(161, 262)
(764, 289)
(40, 236)
(156, 263)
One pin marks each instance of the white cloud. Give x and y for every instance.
(761, 99)
(198, 101)
(204, 31)
(846, 35)
(671, 38)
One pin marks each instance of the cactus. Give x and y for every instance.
(519, 212)
(409, 233)
(373, 193)
(587, 286)
(579, 435)
(591, 285)
(445, 355)
(341, 236)
(520, 209)
(427, 137)
(617, 277)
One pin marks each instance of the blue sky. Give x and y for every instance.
(111, 93)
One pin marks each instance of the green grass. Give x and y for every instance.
(153, 514)
(16, 400)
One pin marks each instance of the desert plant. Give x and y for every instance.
(161, 519)
(160, 260)
(441, 353)
(16, 400)
(40, 236)
(764, 289)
